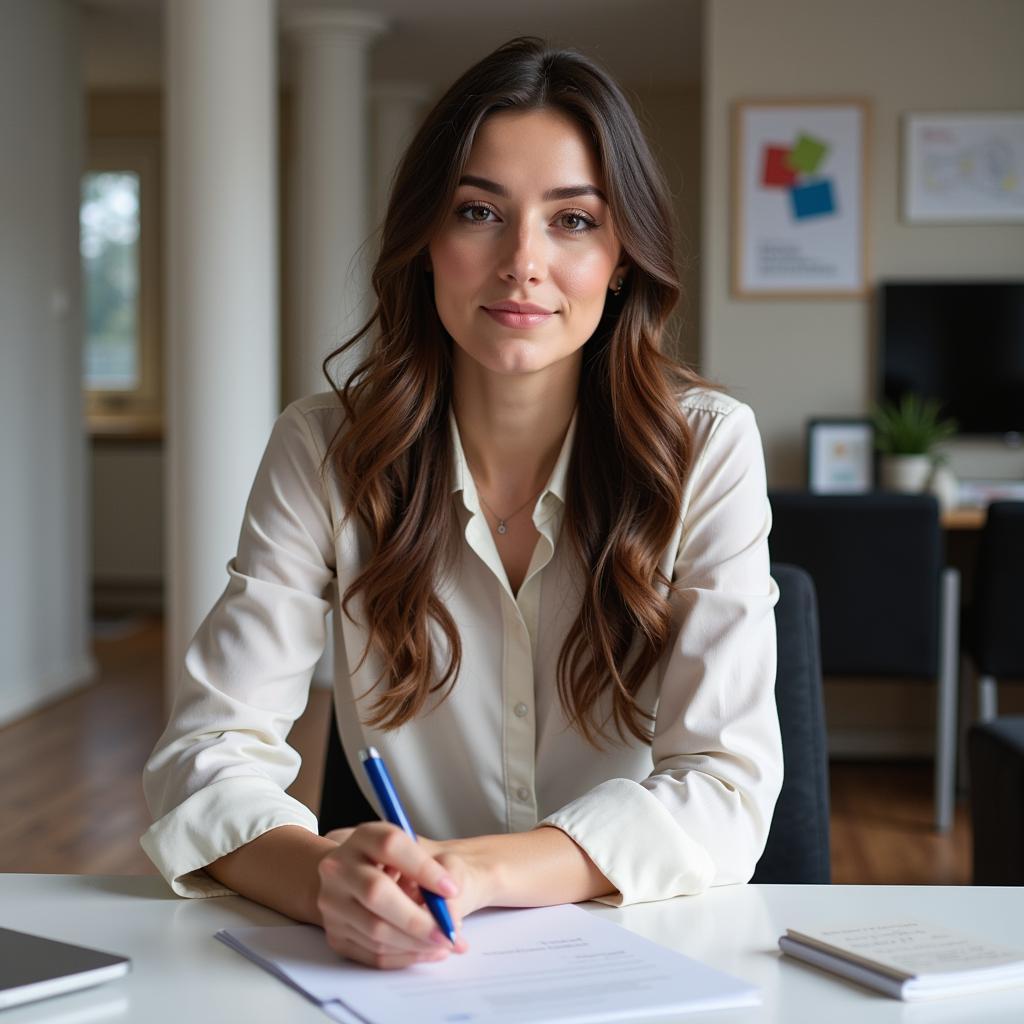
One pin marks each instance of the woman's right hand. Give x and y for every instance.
(369, 899)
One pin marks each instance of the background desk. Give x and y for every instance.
(966, 518)
(180, 973)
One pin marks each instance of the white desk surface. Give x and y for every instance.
(180, 973)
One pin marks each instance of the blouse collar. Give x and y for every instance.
(462, 478)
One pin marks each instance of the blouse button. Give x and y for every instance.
(520, 709)
(523, 793)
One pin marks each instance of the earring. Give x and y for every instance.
(618, 287)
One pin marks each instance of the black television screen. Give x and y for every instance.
(959, 342)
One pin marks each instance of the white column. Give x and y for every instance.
(397, 110)
(222, 295)
(330, 197)
(45, 643)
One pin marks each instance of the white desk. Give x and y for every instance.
(180, 973)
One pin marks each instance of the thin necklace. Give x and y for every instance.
(503, 520)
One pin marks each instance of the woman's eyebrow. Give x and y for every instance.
(565, 192)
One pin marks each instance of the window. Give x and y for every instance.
(121, 372)
(110, 263)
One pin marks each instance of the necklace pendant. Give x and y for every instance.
(502, 528)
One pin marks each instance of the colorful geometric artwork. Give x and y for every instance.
(792, 168)
(799, 174)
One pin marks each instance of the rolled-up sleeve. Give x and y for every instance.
(217, 777)
(701, 817)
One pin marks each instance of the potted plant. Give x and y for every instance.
(906, 435)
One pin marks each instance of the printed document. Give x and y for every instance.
(543, 965)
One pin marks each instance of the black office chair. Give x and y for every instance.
(995, 643)
(798, 841)
(995, 637)
(996, 753)
(342, 803)
(887, 606)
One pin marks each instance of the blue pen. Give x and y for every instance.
(377, 770)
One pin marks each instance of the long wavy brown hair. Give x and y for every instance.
(632, 444)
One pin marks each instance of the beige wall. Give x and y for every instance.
(672, 121)
(795, 359)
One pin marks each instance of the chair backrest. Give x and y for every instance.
(342, 804)
(996, 752)
(798, 840)
(996, 633)
(876, 561)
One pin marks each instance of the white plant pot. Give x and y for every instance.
(907, 474)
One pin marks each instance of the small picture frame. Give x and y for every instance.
(840, 455)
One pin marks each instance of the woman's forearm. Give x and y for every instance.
(277, 869)
(539, 868)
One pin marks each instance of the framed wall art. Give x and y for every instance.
(963, 168)
(799, 221)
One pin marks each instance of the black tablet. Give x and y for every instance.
(32, 967)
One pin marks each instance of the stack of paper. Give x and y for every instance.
(546, 964)
(909, 959)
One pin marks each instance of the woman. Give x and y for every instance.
(546, 547)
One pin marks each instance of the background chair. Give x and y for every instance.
(996, 752)
(995, 622)
(995, 644)
(887, 606)
(342, 803)
(797, 849)
(798, 841)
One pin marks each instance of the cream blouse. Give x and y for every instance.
(496, 755)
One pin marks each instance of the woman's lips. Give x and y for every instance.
(509, 319)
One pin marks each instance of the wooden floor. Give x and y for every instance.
(71, 793)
